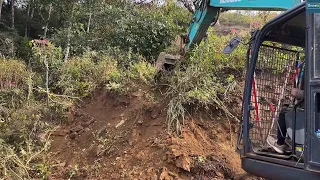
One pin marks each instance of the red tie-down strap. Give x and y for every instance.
(256, 105)
(294, 75)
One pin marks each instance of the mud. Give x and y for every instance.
(125, 137)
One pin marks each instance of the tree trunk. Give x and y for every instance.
(47, 21)
(46, 63)
(27, 22)
(31, 17)
(188, 5)
(1, 2)
(69, 35)
(90, 17)
(12, 13)
(89, 22)
(30, 88)
(218, 23)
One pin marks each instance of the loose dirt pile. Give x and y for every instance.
(125, 137)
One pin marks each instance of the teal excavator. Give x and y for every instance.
(206, 14)
(283, 55)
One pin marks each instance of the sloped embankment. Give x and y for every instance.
(125, 137)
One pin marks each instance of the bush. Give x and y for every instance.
(201, 82)
(236, 19)
(130, 27)
(14, 83)
(82, 75)
(24, 143)
(79, 77)
(142, 71)
(44, 56)
(125, 80)
(13, 73)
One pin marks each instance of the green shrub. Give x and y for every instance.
(82, 75)
(237, 19)
(206, 79)
(146, 32)
(79, 77)
(142, 71)
(24, 143)
(13, 73)
(13, 83)
(124, 80)
(43, 56)
(130, 27)
(124, 58)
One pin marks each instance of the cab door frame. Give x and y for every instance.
(262, 166)
(258, 39)
(312, 92)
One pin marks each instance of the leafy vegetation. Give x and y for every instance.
(54, 53)
(201, 81)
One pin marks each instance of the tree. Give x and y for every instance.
(12, 13)
(70, 21)
(1, 3)
(189, 5)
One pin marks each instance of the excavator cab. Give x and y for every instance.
(282, 55)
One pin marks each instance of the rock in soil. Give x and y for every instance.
(183, 162)
(76, 129)
(87, 123)
(60, 132)
(73, 135)
(165, 175)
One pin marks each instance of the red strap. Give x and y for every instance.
(256, 107)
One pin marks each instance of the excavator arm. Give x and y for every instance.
(208, 11)
(206, 14)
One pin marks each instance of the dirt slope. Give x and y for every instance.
(125, 137)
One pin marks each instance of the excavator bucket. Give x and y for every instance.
(166, 62)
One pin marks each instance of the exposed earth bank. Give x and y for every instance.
(126, 137)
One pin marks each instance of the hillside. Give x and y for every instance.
(125, 137)
(115, 136)
(80, 97)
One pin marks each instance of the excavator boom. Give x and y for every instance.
(207, 14)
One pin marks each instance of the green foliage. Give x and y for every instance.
(129, 79)
(24, 141)
(23, 49)
(207, 79)
(147, 33)
(79, 77)
(123, 58)
(209, 54)
(143, 30)
(237, 19)
(13, 83)
(43, 56)
(12, 98)
(13, 73)
(241, 18)
(142, 71)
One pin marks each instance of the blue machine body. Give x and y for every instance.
(209, 10)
